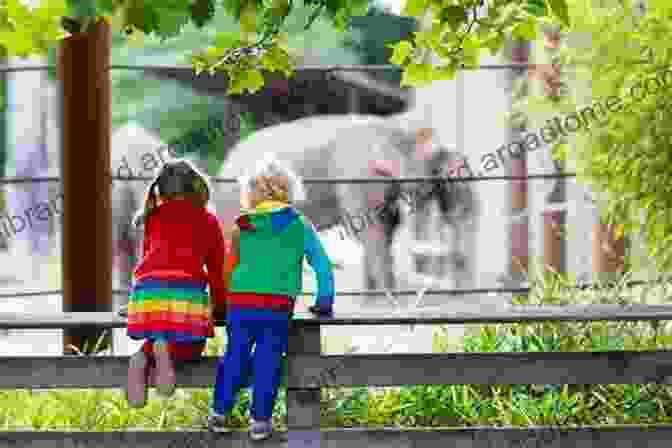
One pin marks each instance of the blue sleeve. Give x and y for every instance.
(319, 260)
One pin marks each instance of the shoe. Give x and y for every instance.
(216, 423)
(261, 430)
(165, 371)
(136, 386)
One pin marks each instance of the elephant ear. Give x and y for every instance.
(386, 168)
(454, 167)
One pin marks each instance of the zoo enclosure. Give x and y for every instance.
(305, 359)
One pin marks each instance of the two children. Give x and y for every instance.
(261, 278)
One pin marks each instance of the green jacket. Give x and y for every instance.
(272, 245)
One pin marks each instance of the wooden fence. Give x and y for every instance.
(309, 371)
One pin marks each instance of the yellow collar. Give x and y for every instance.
(265, 206)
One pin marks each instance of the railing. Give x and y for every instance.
(309, 371)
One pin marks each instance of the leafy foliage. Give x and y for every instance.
(457, 32)
(25, 31)
(372, 34)
(624, 155)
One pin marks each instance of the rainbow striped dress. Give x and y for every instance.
(174, 282)
(176, 310)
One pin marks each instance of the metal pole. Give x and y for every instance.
(87, 216)
(608, 253)
(519, 226)
(315, 68)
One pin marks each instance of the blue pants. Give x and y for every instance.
(269, 331)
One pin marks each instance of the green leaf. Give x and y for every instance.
(415, 8)
(250, 80)
(228, 39)
(526, 30)
(455, 16)
(422, 39)
(494, 42)
(82, 8)
(471, 49)
(359, 7)
(170, 20)
(416, 75)
(560, 10)
(106, 7)
(536, 7)
(341, 20)
(402, 52)
(278, 60)
(141, 15)
(202, 12)
(248, 18)
(444, 73)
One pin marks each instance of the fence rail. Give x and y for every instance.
(314, 68)
(309, 371)
(613, 436)
(412, 292)
(353, 180)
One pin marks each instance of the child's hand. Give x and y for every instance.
(321, 311)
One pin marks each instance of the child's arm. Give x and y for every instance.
(215, 265)
(145, 239)
(319, 260)
(233, 256)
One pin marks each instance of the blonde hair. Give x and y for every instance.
(274, 181)
(177, 177)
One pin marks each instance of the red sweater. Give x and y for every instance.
(180, 239)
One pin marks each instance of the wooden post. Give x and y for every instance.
(303, 405)
(83, 68)
(608, 253)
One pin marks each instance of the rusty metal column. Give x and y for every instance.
(519, 226)
(554, 240)
(83, 64)
(608, 253)
(555, 210)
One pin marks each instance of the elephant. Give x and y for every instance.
(347, 146)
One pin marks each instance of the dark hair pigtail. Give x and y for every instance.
(201, 188)
(151, 202)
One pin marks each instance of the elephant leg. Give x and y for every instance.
(124, 243)
(378, 259)
(378, 263)
(359, 221)
(420, 228)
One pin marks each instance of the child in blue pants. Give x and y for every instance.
(268, 246)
